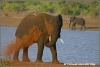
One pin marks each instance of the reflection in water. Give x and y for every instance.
(78, 46)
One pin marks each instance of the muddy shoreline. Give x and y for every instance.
(91, 23)
(52, 64)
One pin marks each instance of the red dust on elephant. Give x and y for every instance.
(43, 29)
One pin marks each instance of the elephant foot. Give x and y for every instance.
(71, 29)
(26, 60)
(39, 61)
(80, 29)
(55, 61)
(15, 60)
(84, 29)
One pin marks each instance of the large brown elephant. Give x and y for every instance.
(42, 29)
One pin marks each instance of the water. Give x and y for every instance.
(78, 46)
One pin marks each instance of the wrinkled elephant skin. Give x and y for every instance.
(42, 29)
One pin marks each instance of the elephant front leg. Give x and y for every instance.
(73, 27)
(54, 54)
(40, 49)
(40, 53)
(25, 55)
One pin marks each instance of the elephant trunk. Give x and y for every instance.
(51, 39)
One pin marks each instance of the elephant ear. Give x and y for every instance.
(61, 20)
(72, 18)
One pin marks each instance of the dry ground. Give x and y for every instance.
(49, 64)
(92, 23)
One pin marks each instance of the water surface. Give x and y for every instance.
(78, 46)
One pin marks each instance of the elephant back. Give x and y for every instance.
(25, 25)
(40, 21)
(80, 21)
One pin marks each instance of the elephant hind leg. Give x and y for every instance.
(84, 27)
(16, 54)
(15, 58)
(81, 27)
(25, 54)
(74, 28)
(17, 49)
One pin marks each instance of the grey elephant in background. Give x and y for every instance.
(74, 20)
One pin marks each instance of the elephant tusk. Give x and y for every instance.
(69, 22)
(49, 38)
(61, 40)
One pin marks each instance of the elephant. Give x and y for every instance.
(74, 20)
(43, 29)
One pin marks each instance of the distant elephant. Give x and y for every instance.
(79, 21)
(42, 29)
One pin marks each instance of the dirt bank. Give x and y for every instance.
(20, 63)
(49, 64)
(52, 64)
(92, 23)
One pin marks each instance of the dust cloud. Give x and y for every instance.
(25, 41)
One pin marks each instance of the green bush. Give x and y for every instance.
(76, 12)
(63, 7)
(51, 9)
